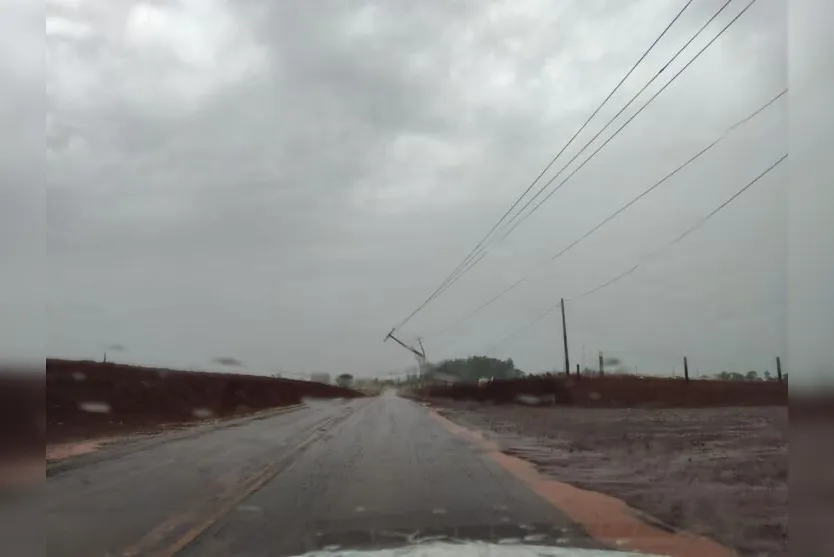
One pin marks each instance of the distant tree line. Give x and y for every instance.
(474, 368)
(345, 380)
(749, 376)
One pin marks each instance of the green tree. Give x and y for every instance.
(345, 380)
(472, 369)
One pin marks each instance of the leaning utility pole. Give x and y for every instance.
(419, 354)
(565, 339)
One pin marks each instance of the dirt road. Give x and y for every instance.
(376, 470)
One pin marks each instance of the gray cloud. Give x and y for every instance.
(284, 182)
(21, 184)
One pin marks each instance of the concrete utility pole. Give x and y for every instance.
(565, 339)
(419, 354)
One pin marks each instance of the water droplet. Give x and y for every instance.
(201, 413)
(95, 407)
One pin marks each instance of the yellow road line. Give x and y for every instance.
(147, 545)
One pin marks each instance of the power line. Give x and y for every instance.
(660, 182)
(520, 330)
(627, 122)
(585, 124)
(512, 228)
(466, 269)
(622, 209)
(482, 306)
(686, 233)
(622, 275)
(607, 284)
(467, 262)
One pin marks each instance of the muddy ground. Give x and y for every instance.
(88, 400)
(22, 423)
(719, 472)
(618, 391)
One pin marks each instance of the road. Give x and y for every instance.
(372, 471)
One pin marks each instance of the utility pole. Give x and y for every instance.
(565, 339)
(419, 354)
(685, 369)
(601, 368)
(421, 362)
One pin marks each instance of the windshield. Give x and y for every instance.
(474, 549)
(487, 275)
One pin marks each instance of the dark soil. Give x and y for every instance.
(612, 391)
(718, 472)
(22, 425)
(90, 399)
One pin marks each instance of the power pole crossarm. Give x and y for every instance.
(404, 345)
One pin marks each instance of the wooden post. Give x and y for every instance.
(685, 369)
(565, 339)
(779, 368)
(601, 368)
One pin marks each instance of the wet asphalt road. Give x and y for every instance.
(367, 472)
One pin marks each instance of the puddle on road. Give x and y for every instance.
(607, 519)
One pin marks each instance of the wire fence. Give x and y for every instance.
(602, 363)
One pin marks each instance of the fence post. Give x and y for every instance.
(601, 368)
(779, 368)
(577, 371)
(685, 369)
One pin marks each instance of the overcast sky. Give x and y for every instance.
(283, 182)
